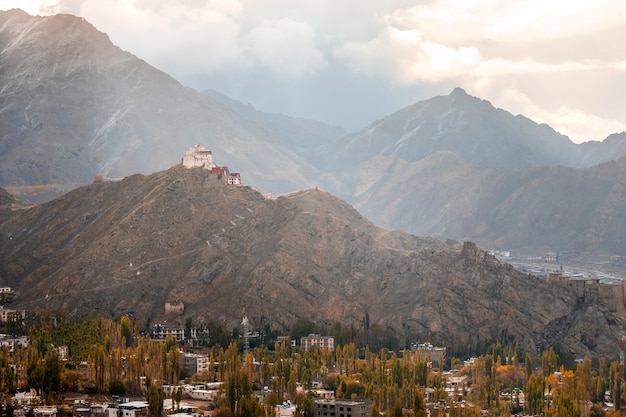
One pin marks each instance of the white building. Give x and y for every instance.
(129, 409)
(198, 157)
(161, 331)
(194, 363)
(234, 178)
(315, 340)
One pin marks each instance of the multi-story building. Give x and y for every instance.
(160, 332)
(342, 408)
(316, 340)
(194, 363)
(593, 291)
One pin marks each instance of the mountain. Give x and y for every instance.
(473, 129)
(560, 209)
(73, 106)
(8, 205)
(225, 251)
(456, 167)
(304, 136)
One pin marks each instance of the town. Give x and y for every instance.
(102, 368)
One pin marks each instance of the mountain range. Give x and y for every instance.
(225, 252)
(74, 106)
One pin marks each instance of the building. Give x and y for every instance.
(176, 307)
(193, 363)
(429, 352)
(161, 332)
(7, 314)
(592, 291)
(234, 178)
(198, 157)
(129, 409)
(12, 342)
(286, 409)
(457, 386)
(7, 295)
(315, 340)
(321, 393)
(342, 408)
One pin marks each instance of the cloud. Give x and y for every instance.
(286, 48)
(537, 57)
(178, 37)
(489, 46)
(575, 123)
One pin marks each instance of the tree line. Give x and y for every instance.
(114, 357)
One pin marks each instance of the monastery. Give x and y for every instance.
(200, 157)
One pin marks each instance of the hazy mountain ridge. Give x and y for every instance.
(557, 209)
(225, 251)
(74, 105)
(301, 135)
(474, 129)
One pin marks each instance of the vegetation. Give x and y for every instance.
(399, 383)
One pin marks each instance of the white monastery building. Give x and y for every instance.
(200, 157)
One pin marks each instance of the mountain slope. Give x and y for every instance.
(303, 136)
(225, 251)
(73, 106)
(470, 127)
(537, 210)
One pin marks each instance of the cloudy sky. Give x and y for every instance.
(351, 62)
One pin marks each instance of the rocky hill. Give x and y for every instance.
(114, 247)
(73, 106)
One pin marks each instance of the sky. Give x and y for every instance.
(350, 63)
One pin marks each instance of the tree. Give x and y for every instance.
(617, 382)
(302, 327)
(419, 405)
(397, 410)
(534, 395)
(117, 387)
(304, 406)
(177, 395)
(155, 397)
(127, 331)
(528, 364)
(548, 362)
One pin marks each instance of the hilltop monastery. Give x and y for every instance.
(200, 157)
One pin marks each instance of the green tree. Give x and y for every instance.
(528, 365)
(302, 327)
(127, 331)
(548, 362)
(304, 406)
(155, 397)
(534, 395)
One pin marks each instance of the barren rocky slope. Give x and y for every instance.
(225, 251)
